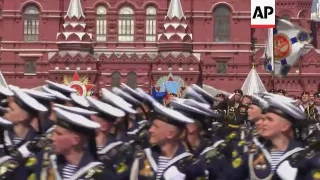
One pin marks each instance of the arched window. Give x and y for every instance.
(115, 79)
(126, 24)
(132, 80)
(221, 16)
(31, 23)
(101, 23)
(286, 17)
(151, 24)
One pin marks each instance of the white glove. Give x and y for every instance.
(172, 173)
(286, 172)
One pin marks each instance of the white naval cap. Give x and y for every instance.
(126, 96)
(147, 97)
(208, 97)
(132, 92)
(56, 94)
(39, 94)
(258, 101)
(267, 95)
(105, 110)
(74, 121)
(60, 87)
(189, 111)
(76, 110)
(25, 101)
(117, 101)
(6, 91)
(285, 109)
(203, 107)
(170, 116)
(79, 100)
(191, 93)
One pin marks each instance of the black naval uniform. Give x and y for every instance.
(56, 166)
(262, 163)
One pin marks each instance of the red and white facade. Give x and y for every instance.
(139, 41)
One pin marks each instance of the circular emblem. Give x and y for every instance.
(302, 36)
(282, 46)
(81, 89)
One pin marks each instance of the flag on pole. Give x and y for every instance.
(284, 46)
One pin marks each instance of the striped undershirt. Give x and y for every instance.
(68, 170)
(275, 159)
(162, 165)
(17, 140)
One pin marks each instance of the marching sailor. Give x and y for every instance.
(75, 151)
(126, 125)
(270, 159)
(45, 99)
(108, 146)
(198, 136)
(168, 159)
(143, 109)
(23, 110)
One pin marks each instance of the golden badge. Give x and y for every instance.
(122, 168)
(282, 46)
(146, 171)
(236, 163)
(82, 85)
(316, 175)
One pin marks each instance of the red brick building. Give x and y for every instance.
(139, 41)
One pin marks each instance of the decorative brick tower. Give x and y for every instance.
(175, 36)
(74, 35)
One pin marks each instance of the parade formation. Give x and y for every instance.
(161, 124)
(54, 133)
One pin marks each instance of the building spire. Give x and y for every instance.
(175, 10)
(253, 84)
(75, 10)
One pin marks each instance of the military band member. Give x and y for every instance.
(166, 159)
(75, 149)
(270, 158)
